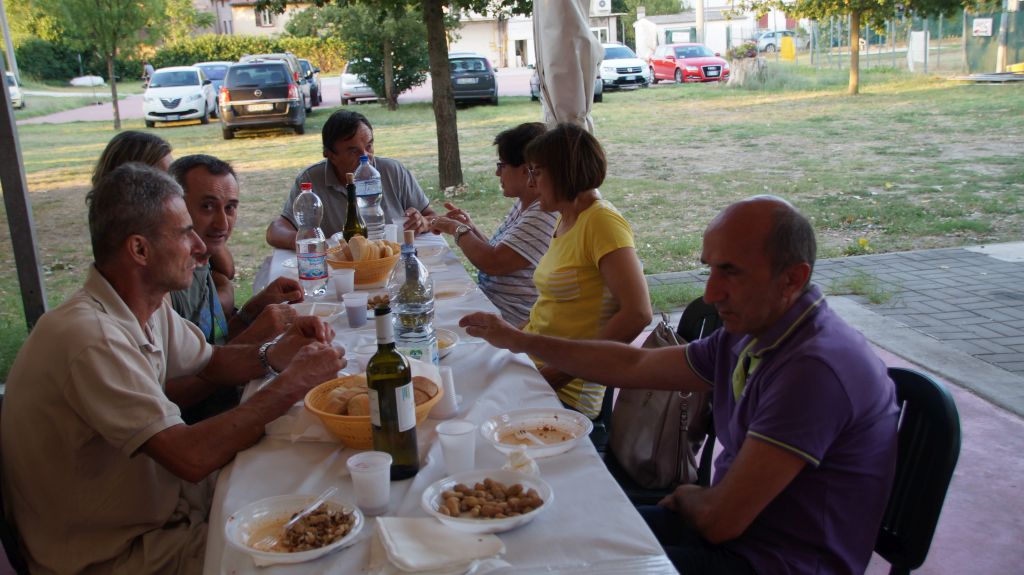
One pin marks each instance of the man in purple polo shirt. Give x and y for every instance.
(804, 409)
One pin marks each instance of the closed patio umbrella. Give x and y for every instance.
(568, 56)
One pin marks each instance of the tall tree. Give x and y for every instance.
(317, 22)
(874, 13)
(106, 26)
(181, 20)
(449, 164)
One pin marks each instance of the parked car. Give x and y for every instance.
(535, 87)
(178, 93)
(688, 62)
(622, 69)
(215, 71)
(305, 87)
(14, 91)
(353, 88)
(261, 94)
(771, 41)
(312, 74)
(473, 78)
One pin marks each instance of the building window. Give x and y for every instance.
(265, 18)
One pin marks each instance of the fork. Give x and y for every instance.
(269, 541)
(524, 434)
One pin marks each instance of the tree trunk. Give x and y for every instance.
(854, 53)
(113, 91)
(449, 164)
(389, 77)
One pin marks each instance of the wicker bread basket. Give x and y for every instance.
(355, 430)
(367, 271)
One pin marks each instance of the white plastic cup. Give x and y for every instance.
(355, 307)
(458, 444)
(344, 281)
(447, 406)
(400, 226)
(371, 477)
(391, 232)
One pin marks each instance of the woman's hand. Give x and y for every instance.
(458, 214)
(444, 225)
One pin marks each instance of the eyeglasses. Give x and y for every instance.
(501, 165)
(532, 173)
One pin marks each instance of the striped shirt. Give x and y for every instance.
(528, 233)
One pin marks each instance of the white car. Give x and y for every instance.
(14, 91)
(622, 69)
(353, 88)
(179, 93)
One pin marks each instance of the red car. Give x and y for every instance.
(688, 63)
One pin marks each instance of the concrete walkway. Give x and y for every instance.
(958, 314)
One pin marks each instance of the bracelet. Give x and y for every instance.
(261, 353)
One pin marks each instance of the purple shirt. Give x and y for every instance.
(820, 392)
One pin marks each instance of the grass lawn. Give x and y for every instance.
(912, 162)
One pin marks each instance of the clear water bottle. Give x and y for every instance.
(310, 245)
(411, 290)
(368, 192)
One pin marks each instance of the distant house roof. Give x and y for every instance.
(710, 14)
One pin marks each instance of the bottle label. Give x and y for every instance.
(374, 407)
(312, 266)
(406, 402)
(420, 350)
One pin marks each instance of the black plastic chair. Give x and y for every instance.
(8, 534)
(698, 320)
(929, 446)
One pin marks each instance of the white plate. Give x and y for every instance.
(446, 341)
(562, 420)
(252, 519)
(326, 311)
(453, 288)
(432, 497)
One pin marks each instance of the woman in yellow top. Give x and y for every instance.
(590, 282)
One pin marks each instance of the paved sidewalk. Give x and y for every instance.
(958, 312)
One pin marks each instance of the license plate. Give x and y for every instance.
(173, 117)
(466, 80)
(260, 107)
(712, 73)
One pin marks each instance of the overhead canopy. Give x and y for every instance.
(568, 56)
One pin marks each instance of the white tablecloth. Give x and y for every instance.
(591, 527)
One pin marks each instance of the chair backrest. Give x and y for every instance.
(928, 449)
(699, 320)
(8, 534)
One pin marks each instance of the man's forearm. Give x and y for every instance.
(233, 364)
(281, 234)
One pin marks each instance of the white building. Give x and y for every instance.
(245, 18)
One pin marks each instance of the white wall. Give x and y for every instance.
(479, 36)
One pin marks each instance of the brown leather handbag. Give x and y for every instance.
(655, 434)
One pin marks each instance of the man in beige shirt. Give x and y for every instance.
(101, 474)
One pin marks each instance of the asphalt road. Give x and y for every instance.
(511, 82)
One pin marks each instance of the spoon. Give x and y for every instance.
(270, 541)
(524, 434)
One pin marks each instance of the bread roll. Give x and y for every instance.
(423, 389)
(358, 245)
(359, 404)
(339, 397)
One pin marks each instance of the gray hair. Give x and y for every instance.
(791, 241)
(128, 201)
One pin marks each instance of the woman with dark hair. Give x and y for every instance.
(591, 284)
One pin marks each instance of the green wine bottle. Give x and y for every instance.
(354, 223)
(392, 403)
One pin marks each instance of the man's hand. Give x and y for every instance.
(416, 221)
(493, 329)
(314, 364)
(274, 319)
(281, 290)
(674, 501)
(458, 214)
(305, 330)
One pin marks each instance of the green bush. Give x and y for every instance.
(744, 50)
(58, 62)
(323, 53)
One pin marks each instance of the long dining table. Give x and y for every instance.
(590, 526)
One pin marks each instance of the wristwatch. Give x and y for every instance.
(459, 231)
(261, 353)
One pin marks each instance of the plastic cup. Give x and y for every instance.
(355, 307)
(344, 281)
(391, 232)
(458, 444)
(447, 406)
(371, 477)
(400, 226)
